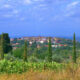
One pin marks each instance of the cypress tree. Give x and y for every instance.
(2, 47)
(35, 54)
(25, 51)
(74, 49)
(49, 50)
(7, 45)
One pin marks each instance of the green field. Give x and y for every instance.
(20, 66)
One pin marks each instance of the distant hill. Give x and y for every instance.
(77, 38)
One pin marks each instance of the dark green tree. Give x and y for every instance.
(35, 51)
(49, 50)
(25, 52)
(74, 49)
(1, 47)
(6, 46)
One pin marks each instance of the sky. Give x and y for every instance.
(40, 17)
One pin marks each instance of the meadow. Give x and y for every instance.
(10, 67)
(20, 70)
(67, 73)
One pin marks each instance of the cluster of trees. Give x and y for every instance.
(5, 47)
(50, 50)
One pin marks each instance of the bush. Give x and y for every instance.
(57, 58)
(21, 66)
(33, 59)
(11, 58)
(18, 53)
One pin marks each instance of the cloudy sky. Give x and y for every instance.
(40, 17)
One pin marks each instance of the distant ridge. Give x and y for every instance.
(77, 38)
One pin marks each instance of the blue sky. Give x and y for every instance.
(40, 17)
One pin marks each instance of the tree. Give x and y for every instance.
(49, 50)
(25, 52)
(74, 49)
(35, 51)
(6, 46)
(2, 47)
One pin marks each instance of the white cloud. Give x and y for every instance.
(6, 6)
(32, 1)
(72, 5)
(14, 13)
(27, 1)
(71, 8)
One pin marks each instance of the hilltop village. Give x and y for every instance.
(40, 41)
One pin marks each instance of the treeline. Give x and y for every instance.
(5, 47)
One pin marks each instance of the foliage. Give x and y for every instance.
(10, 57)
(50, 50)
(25, 52)
(2, 47)
(33, 59)
(69, 73)
(6, 43)
(7, 66)
(74, 49)
(57, 58)
(18, 53)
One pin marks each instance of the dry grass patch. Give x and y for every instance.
(68, 74)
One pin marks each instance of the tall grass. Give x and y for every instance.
(66, 74)
(20, 70)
